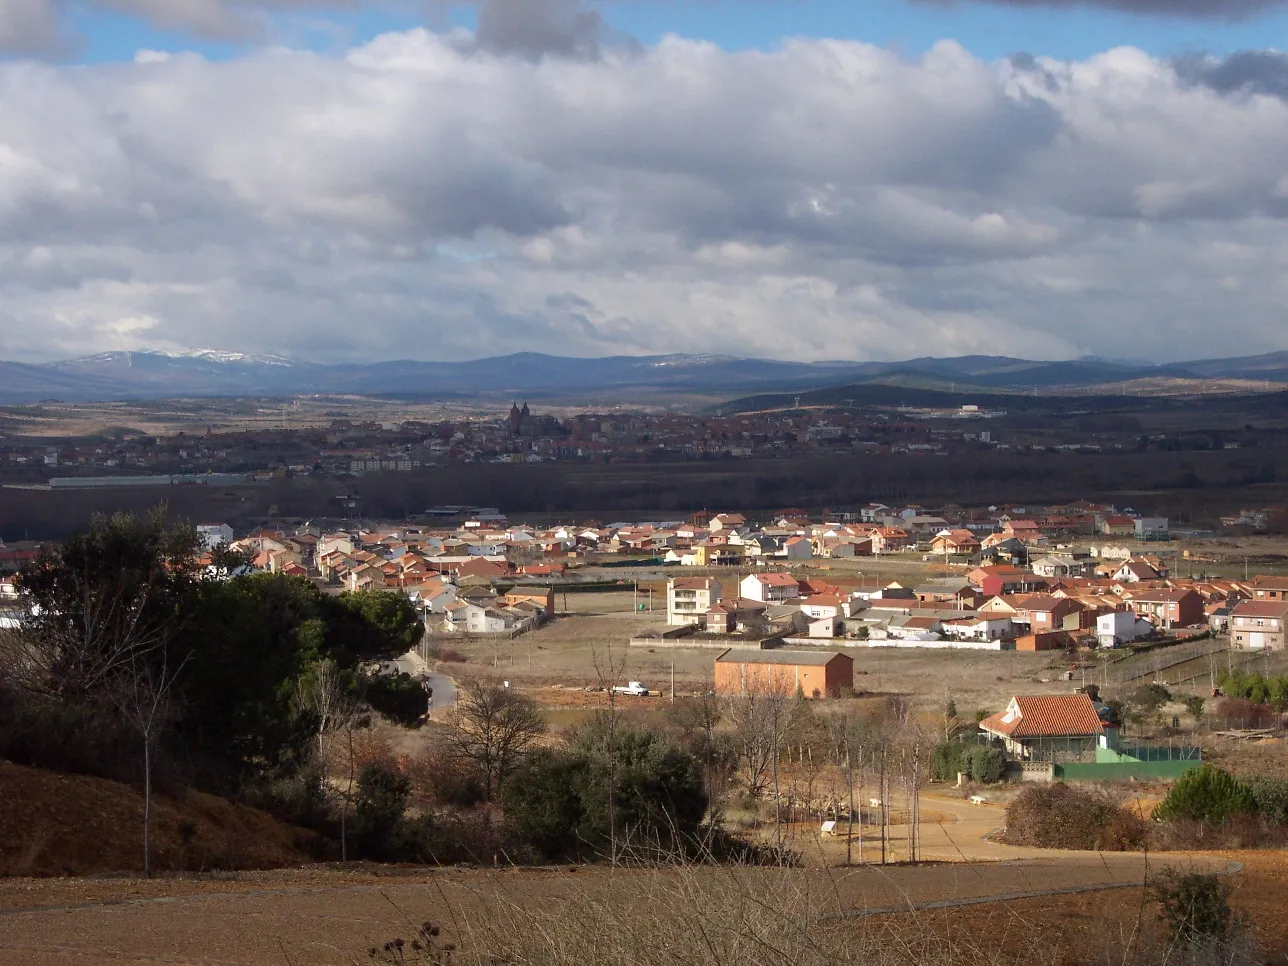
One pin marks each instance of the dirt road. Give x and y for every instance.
(324, 916)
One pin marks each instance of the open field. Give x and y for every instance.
(322, 915)
(562, 656)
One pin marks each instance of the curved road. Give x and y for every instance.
(444, 688)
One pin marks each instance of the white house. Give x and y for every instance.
(827, 605)
(335, 541)
(213, 534)
(1121, 627)
(984, 627)
(689, 598)
(489, 620)
(1134, 571)
(769, 588)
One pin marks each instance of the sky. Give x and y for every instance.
(358, 180)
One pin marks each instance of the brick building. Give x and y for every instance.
(816, 674)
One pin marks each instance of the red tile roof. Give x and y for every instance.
(1046, 716)
(777, 580)
(1262, 608)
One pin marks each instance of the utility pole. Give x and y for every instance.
(673, 682)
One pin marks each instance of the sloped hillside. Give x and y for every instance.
(54, 824)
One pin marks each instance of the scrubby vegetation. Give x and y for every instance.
(1062, 816)
(1206, 808)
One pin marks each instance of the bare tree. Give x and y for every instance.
(320, 694)
(763, 716)
(141, 693)
(610, 669)
(848, 736)
(493, 727)
(698, 719)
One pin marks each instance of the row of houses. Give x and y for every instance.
(988, 607)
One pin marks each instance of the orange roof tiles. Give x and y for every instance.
(1046, 716)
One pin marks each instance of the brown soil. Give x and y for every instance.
(56, 825)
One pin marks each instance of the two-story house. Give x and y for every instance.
(1169, 608)
(1259, 624)
(688, 599)
(888, 539)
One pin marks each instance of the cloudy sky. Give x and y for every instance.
(805, 179)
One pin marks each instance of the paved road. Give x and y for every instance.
(444, 694)
(324, 917)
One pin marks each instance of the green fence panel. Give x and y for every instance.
(1122, 771)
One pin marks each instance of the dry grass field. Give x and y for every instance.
(558, 662)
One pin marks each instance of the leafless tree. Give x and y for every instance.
(849, 737)
(141, 692)
(610, 669)
(320, 694)
(764, 714)
(79, 659)
(492, 727)
(698, 719)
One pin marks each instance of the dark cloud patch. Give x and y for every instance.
(1194, 9)
(536, 28)
(1246, 72)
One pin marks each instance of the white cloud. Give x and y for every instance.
(424, 196)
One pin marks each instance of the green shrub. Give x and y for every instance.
(1206, 794)
(1195, 907)
(987, 765)
(398, 697)
(1150, 697)
(558, 801)
(378, 811)
(948, 759)
(978, 762)
(1270, 796)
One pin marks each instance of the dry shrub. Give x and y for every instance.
(1062, 816)
(451, 656)
(371, 746)
(1236, 832)
(1242, 713)
(442, 778)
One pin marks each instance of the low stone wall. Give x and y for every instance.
(899, 642)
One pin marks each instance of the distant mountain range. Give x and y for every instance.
(209, 372)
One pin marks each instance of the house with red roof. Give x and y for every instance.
(1048, 727)
(955, 542)
(769, 588)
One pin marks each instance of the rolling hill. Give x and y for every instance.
(205, 372)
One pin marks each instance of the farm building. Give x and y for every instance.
(816, 674)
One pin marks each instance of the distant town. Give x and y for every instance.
(348, 447)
